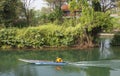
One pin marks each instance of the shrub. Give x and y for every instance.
(36, 37)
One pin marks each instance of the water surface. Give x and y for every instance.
(103, 61)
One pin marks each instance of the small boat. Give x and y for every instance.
(43, 62)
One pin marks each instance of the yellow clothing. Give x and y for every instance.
(58, 60)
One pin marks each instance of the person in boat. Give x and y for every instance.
(59, 60)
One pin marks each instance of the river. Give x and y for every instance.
(101, 61)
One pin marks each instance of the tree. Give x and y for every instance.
(50, 3)
(54, 3)
(103, 5)
(28, 12)
(96, 5)
(118, 4)
(10, 12)
(1, 11)
(92, 20)
(56, 12)
(107, 5)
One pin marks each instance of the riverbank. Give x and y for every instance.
(44, 36)
(115, 37)
(50, 48)
(106, 35)
(63, 47)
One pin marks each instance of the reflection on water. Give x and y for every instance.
(33, 70)
(105, 50)
(103, 61)
(95, 71)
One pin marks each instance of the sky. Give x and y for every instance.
(38, 4)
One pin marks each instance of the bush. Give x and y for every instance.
(37, 37)
(7, 36)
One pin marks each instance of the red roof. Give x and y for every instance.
(64, 7)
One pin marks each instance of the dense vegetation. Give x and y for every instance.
(26, 28)
(36, 37)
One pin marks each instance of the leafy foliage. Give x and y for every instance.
(10, 11)
(37, 37)
(62, 32)
(95, 22)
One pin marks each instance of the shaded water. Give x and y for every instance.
(103, 61)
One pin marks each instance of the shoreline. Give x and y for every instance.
(51, 48)
(73, 47)
(106, 35)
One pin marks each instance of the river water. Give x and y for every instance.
(101, 61)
